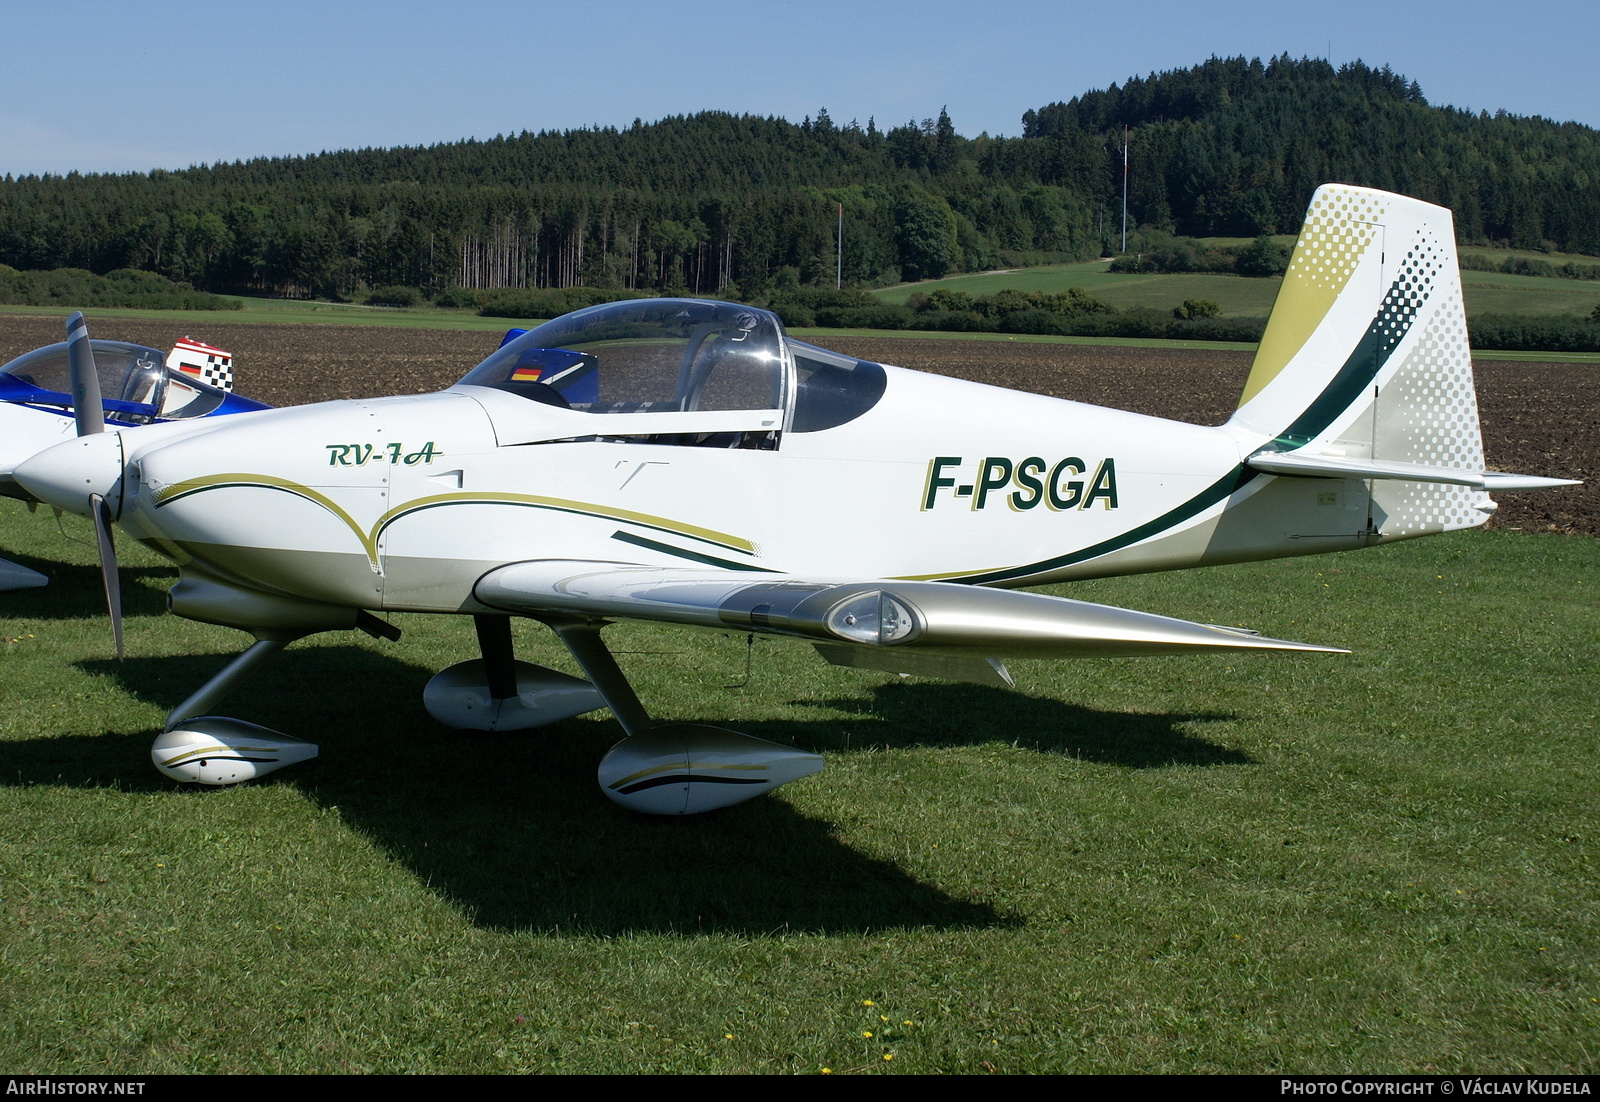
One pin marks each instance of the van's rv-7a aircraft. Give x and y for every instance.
(685, 461)
(138, 386)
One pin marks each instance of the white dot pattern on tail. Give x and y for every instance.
(1336, 231)
(1428, 412)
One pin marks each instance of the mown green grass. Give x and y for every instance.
(1498, 293)
(1384, 861)
(1235, 294)
(1499, 255)
(1537, 357)
(1088, 274)
(1486, 292)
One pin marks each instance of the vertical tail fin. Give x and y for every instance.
(1365, 360)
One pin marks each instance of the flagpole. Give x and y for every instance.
(838, 254)
(1124, 187)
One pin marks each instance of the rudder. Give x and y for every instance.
(1365, 358)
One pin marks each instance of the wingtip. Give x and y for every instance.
(1254, 640)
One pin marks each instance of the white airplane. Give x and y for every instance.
(141, 386)
(686, 461)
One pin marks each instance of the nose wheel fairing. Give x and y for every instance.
(217, 750)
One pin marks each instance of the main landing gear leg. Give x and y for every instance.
(680, 768)
(582, 638)
(499, 655)
(498, 693)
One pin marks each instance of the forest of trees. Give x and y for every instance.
(742, 205)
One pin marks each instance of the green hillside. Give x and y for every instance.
(742, 206)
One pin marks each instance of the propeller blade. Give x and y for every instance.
(100, 512)
(86, 408)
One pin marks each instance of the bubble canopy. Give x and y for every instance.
(680, 355)
(646, 355)
(136, 386)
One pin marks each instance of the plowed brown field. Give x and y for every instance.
(1538, 418)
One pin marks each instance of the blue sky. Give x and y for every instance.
(114, 87)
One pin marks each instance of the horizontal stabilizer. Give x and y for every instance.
(16, 576)
(911, 617)
(1339, 466)
(1500, 480)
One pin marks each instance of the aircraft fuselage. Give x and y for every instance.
(403, 503)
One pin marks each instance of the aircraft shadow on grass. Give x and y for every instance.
(510, 828)
(929, 713)
(76, 593)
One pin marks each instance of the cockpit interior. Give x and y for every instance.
(136, 385)
(683, 355)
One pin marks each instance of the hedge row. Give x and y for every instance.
(124, 287)
(548, 303)
(1130, 323)
(1152, 252)
(1053, 315)
(1529, 265)
(1535, 332)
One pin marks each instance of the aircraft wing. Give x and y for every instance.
(934, 629)
(15, 576)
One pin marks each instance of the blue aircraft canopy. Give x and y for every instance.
(135, 384)
(125, 369)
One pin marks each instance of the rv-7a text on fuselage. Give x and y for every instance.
(688, 462)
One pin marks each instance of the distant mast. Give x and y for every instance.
(838, 254)
(1124, 187)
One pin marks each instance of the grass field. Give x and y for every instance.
(1498, 255)
(1486, 292)
(214, 327)
(1497, 293)
(1385, 861)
